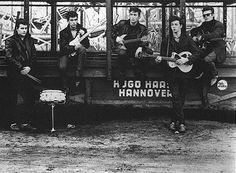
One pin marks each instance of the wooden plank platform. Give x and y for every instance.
(99, 90)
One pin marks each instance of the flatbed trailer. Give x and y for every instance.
(101, 84)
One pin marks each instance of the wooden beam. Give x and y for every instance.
(54, 38)
(183, 13)
(225, 17)
(26, 10)
(109, 16)
(163, 18)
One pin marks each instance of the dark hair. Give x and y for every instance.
(135, 9)
(174, 18)
(21, 21)
(208, 8)
(71, 14)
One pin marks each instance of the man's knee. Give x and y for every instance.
(211, 57)
(63, 63)
(81, 50)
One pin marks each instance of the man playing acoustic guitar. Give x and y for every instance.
(210, 38)
(72, 52)
(130, 36)
(178, 42)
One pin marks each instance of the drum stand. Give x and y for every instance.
(52, 106)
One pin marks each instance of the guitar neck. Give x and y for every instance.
(87, 34)
(166, 58)
(132, 40)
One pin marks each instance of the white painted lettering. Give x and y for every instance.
(155, 84)
(150, 93)
(130, 84)
(136, 92)
(163, 93)
(162, 84)
(143, 93)
(116, 84)
(148, 84)
(169, 93)
(125, 84)
(128, 93)
(137, 84)
(157, 93)
(121, 92)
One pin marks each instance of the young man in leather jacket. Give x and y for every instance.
(131, 29)
(20, 56)
(72, 53)
(178, 81)
(211, 34)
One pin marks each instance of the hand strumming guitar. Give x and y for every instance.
(25, 70)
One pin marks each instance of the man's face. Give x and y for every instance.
(175, 26)
(208, 15)
(22, 30)
(73, 22)
(134, 17)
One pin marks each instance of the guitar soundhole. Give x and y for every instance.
(177, 56)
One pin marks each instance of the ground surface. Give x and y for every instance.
(122, 146)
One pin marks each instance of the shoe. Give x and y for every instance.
(14, 127)
(172, 126)
(199, 76)
(27, 126)
(182, 128)
(214, 80)
(70, 126)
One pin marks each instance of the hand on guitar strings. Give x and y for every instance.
(78, 45)
(119, 40)
(181, 61)
(158, 59)
(25, 70)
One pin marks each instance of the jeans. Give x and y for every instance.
(25, 112)
(178, 87)
(127, 58)
(64, 65)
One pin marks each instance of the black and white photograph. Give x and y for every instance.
(118, 86)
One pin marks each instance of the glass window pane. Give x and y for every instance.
(40, 17)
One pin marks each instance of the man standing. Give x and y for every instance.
(127, 30)
(72, 52)
(20, 56)
(211, 33)
(178, 81)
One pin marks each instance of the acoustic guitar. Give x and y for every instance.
(171, 60)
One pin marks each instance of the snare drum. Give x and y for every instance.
(56, 96)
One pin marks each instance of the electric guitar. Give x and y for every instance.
(121, 45)
(171, 60)
(79, 38)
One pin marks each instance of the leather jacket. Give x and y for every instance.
(213, 34)
(133, 32)
(19, 53)
(66, 37)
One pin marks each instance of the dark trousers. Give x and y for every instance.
(127, 58)
(210, 67)
(178, 87)
(64, 65)
(24, 113)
